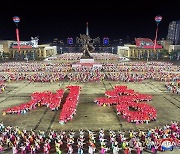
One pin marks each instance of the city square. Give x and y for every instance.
(90, 78)
(89, 116)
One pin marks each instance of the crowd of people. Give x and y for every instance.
(46, 98)
(95, 76)
(140, 67)
(86, 69)
(69, 108)
(53, 72)
(52, 101)
(135, 72)
(104, 56)
(46, 77)
(141, 112)
(173, 86)
(128, 103)
(141, 76)
(33, 77)
(2, 86)
(66, 56)
(89, 141)
(77, 56)
(131, 105)
(34, 67)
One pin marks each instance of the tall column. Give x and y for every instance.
(87, 30)
(12, 53)
(133, 53)
(129, 53)
(44, 53)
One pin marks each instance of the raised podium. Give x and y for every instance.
(86, 60)
(87, 63)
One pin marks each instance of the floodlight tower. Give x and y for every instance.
(16, 20)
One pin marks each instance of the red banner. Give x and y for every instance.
(22, 47)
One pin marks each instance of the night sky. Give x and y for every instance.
(65, 18)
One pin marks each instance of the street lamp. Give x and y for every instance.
(61, 50)
(158, 20)
(147, 55)
(112, 49)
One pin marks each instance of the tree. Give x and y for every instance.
(175, 54)
(1, 54)
(6, 55)
(164, 53)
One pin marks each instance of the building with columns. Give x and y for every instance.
(40, 52)
(144, 48)
(28, 49)
(132, 51)
(6, 44)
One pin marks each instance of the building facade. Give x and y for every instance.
(28, 49)
(6, 45)
(174, 32)
(41, 52)
(132, 51)
(165, 44)
(143, 49)
(174, 48)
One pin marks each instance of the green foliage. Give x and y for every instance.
(174, 52)
(164, 52)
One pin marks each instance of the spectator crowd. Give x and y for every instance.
(15, 140)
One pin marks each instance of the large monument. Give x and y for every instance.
(87, 46)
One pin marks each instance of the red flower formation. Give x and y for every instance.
(51, 100)
(129, 103)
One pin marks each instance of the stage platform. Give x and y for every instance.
(87, 60)
(87, 63)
